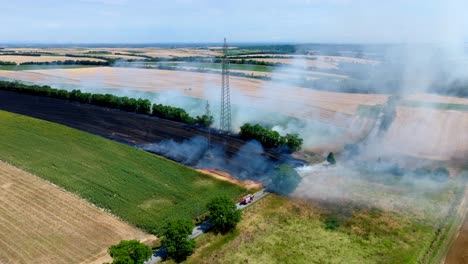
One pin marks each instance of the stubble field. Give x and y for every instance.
(41, 223)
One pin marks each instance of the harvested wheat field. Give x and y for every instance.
(154, 52)
(433, 98)
(301, 62)
(323, 62)
(428, 133)
(318, 57)
(40, 223)
(329, 107)
(22, 59)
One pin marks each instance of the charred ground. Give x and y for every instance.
(141, 131)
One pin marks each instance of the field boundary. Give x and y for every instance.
(448, 229)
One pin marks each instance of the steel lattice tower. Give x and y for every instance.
(225, 117)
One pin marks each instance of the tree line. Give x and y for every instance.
(141, 106)
(7, 63)
(31, 54)
(270, 138)
(68, 62)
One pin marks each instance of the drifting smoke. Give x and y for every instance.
(249, 162)
(187, 152)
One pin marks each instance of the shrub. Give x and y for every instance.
(331, 158)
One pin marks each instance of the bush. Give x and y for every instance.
(223, 214)
(130, 251)
(331, 158)
(332, 223)
(284, 180)
(176, 241)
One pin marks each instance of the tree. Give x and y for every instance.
(331, 158)
(270, 138)
(205, 120)
(130, 252)
(284, 180)
(293, 141)
(176, 241)
(223, 214)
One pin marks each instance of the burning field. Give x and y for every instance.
(330, 118)
(42, 223)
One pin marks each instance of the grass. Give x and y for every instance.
(372, 222)
(277, 230)
(42, 67)
(441, 106)
(137, 186)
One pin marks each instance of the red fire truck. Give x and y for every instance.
(247, 199)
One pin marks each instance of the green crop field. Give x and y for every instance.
(137, 186)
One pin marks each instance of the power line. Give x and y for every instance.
(225, 117)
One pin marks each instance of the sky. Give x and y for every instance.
(193, 21)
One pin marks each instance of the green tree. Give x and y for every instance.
(331, 158)
(130, 252)
(284, 180)
(176, 241)
(223, 214)
(205, 120)
(293, 141)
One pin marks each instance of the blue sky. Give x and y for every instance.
(145, 21)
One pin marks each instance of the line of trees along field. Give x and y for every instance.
(267, 137)
(141, 106)
(68, 62)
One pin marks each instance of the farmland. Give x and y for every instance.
(415, 127)
(336, 111)
(22, 59)
(342, 215)
(139, 187)
(323, 106)
(278, 230)
(394, 221)
(133, 52)
(41, 223)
